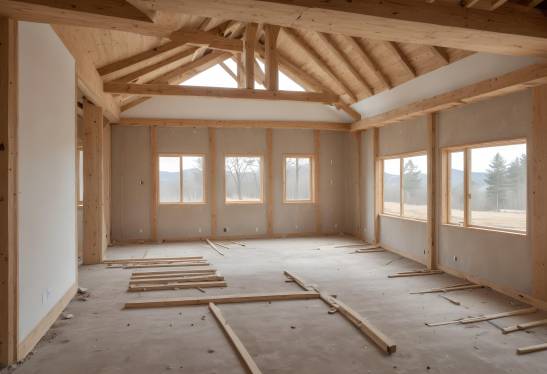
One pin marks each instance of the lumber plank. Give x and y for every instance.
(134, 260)
(464, 286)
(176, 286)
(371, 250)
(415, 274)
(235, 341)
(532, 349)
(524, 326)
(160, 276)
(180, 271)
(212, 245)
(141, 266)
(379, 338)
(487, 317)
(222, 299)
(178, 279)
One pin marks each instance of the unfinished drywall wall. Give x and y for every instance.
(234, 109)
(131, 183)
(131, 200)
(502, 258)
(46, 175)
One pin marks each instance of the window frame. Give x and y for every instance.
(401, 157)
(312, 199)
(181, 155)
(244, 202)
(445, 184)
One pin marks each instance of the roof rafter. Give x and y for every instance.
(403, 60)
(339, 54)
(368, 61)
(316, 58)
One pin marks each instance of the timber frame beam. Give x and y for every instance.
(408, 21)
(530, 76)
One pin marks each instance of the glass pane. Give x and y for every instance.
(498, 187)
(415, 187)
(392, 186)
(192, 179)
(243, 179)
(298, 178)
(456, 188)
(169, 179)
(81, 175)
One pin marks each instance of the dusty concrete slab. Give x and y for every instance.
(285, 337)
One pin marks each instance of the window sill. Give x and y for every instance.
(403, 218)
(485, 229)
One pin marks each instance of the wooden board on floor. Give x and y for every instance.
(144, 266)
(459, 287)
(199, 278)
(487, 317)
(222, 299)
(214, 247)
(532, 349)
(524, 326)
(176, 286)
(168, 272)
(234, 339)
(379, 338)
(415, 273)
(133, 260)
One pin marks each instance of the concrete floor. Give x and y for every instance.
(285, 337)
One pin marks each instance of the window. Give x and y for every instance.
(298, 179)
(405, 186)
(181, 179)
(487, 186)
(243, 179)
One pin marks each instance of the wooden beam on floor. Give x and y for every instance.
(415, 273)
(532, 349)
(159, 89)
(487, 317)
(242, 352)
(439, 23)
(214, 247)
(378, 337)
(458, 287)
(176, 279)
(222, 299)
(138, 274)
(538, 221)
(524, 326)
(94, 244)
(8, 192)
(176, 286)
(151, 259)
(145, 266)
(530, 76)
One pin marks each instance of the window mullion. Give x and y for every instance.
(466, 186)
(181, 168)
(401, 195)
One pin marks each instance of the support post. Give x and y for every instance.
(249, 54)
(431, 249)
(8, 191)
(538, 193)
(317, 179)
(377, 184)
(270, 57)
(270, 187)
(155, 183)
(358, 187)
(213, 179)
(94, 236)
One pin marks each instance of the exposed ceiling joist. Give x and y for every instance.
(369, 63)
(335, 51)
(396, 51)
(316, 58)
(158, 89)
(438, 23)
(521, 79)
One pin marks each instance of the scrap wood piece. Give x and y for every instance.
(176, 286)
(144, 266)
(239, 243)
(532, 349)
(180, 271)
(350, 245)
(369, 250)
(200, 278)
(234, 339)
(524, 326)
(379, 338)
(121, 260)
(488, 317)
(222, 299)
(458, 287)
(183, 275)
(415, 273)
(221, 245)
(214, 246)
(455, 302)
(162, 262)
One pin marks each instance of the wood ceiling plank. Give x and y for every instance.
(339, 54)
(316, 58)
(406, 21)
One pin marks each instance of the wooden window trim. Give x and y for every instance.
(312, 199)
(245, 202)
(400, 157)
(467, 214)
(204, 172)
